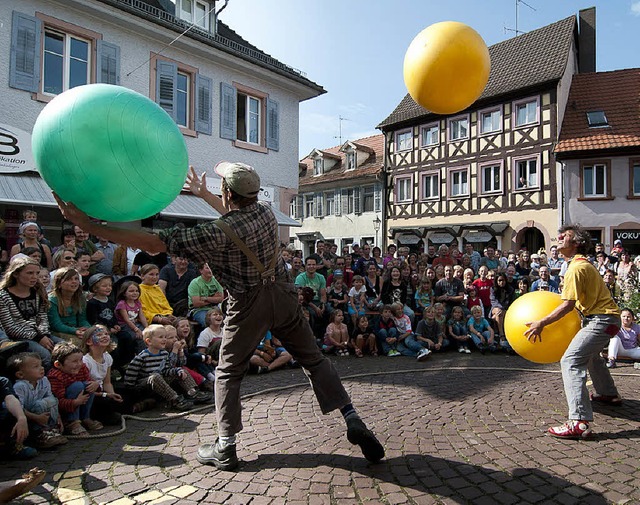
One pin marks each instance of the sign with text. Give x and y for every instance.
(15, 150)
(441, 238)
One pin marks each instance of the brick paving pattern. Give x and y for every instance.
(457, 429)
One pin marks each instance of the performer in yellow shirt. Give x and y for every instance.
(585, 290)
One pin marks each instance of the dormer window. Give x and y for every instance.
(318, 166)
(351, 160)
(196, 12)
(597, 119)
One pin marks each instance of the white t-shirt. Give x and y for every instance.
(207, 336)
(356, 294)
(98, 371)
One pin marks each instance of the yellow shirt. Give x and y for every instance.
(154, 302)
(583, 283)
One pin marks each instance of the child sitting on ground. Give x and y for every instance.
(338, 294)
(472, 299)
(458, 329)
(386, 332)
(71, 383)
(429, 333)
(480, 330)
(154, 369)
(363, 339)
(130, 316)
(96, 346)
(211, 337)
(101, 310)
(336, 336)
(270, 355)
(198, 364)
(357, 298)
(40, 406)
(407, 343)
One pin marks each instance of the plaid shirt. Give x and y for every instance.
(256, 226)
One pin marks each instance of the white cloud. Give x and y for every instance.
(318, 123)
(635, 8)
(354, 109)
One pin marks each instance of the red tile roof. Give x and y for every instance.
(617, 93)
(372, 165)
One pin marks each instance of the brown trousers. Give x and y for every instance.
(270, 306)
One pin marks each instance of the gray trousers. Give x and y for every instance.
(582, 355)
(271, 306)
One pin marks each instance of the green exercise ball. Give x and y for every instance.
(112, 152)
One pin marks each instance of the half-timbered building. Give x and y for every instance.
(599, 152)
(488, 175)
(340, 194)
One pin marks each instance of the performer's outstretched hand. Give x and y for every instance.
(197, 185)
(72, 213)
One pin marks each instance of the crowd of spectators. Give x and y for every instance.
(95, 329)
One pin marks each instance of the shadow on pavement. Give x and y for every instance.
(458, 482)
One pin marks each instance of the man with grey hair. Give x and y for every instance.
(585, 290)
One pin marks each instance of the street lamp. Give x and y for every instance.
(376, 227)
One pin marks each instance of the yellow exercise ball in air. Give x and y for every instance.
(446, 67)
(555, 337)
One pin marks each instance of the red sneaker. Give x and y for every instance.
(573, 430)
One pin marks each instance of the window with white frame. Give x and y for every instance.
(403, 189)
(308, 205)
(527, 173)
(459, 128)
(430, 135)
(194, 11)
(459, 182)
(67, 61)
(526, 112)
(490, 121)
(183, 96)
(317, 166)
(329, 203)
(491, 178)
(404, 140)
(429, 186)
(248, 117)
(368, 198)
(351, 160)
(594, 180)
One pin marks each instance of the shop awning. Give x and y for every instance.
(29, 189)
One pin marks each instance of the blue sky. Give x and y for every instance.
(355, 48)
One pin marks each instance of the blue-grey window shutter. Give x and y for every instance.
(166, 86)
(24, 65)
(299, 208)
(108, 62)
(356, 200)
(204, 87)
(228, 99)
(273, 125)
(337, 204)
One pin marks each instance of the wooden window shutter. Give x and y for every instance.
(108, 56)
(24, 65)
(273, 125)
(166, 86)
(228, 99)
(204, 110)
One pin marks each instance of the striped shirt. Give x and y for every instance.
(14, 323)
(256, 226)
(144, 364)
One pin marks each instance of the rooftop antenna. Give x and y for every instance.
(340, 120)
(516, 31)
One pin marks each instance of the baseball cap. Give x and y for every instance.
(240, 178)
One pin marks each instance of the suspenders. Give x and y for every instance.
(266, 274)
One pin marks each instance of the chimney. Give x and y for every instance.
(587, 40)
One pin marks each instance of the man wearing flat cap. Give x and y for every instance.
(242, 249)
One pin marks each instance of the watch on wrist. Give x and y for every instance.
(104, 395)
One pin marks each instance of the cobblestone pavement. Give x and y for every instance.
(457, 429)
